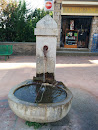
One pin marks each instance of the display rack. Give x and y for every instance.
(71, 38)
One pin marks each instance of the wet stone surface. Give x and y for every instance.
(37, 93)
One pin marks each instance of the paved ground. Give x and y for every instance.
(80, 74)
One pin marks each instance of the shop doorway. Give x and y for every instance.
(75, 31)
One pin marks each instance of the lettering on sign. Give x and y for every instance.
(80, 10)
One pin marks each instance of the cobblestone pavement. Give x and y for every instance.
(79, 74)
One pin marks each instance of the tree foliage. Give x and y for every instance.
(18, 23)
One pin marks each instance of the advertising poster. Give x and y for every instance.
(71, 24)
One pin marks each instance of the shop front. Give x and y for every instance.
(76, 31)
(76, 20)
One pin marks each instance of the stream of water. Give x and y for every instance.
(42, 89)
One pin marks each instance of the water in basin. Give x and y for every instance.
(35, 93)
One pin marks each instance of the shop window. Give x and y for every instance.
(76, 32)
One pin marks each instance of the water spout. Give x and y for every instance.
(45, 49)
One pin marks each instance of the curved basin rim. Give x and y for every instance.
(16, 100)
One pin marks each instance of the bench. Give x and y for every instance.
(6, 50)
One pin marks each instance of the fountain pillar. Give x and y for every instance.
(46, 39)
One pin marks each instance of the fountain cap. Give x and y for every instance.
(46, 27)
(47, 22)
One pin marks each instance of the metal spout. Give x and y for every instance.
(45, 49)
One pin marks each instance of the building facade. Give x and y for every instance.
(77, 22)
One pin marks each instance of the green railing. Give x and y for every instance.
(6, 50)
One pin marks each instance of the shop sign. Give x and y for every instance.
(48, 5)
(80, 11)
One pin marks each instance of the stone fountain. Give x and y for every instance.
(42, 99)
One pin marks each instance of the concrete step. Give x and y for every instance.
(73, 49)
(76, 53)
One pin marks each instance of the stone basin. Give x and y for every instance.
(39, 112)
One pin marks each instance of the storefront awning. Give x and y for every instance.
(79, 8)
(79, 3)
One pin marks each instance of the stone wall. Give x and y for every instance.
(22, 48)
(57, 18)
(94, 29)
